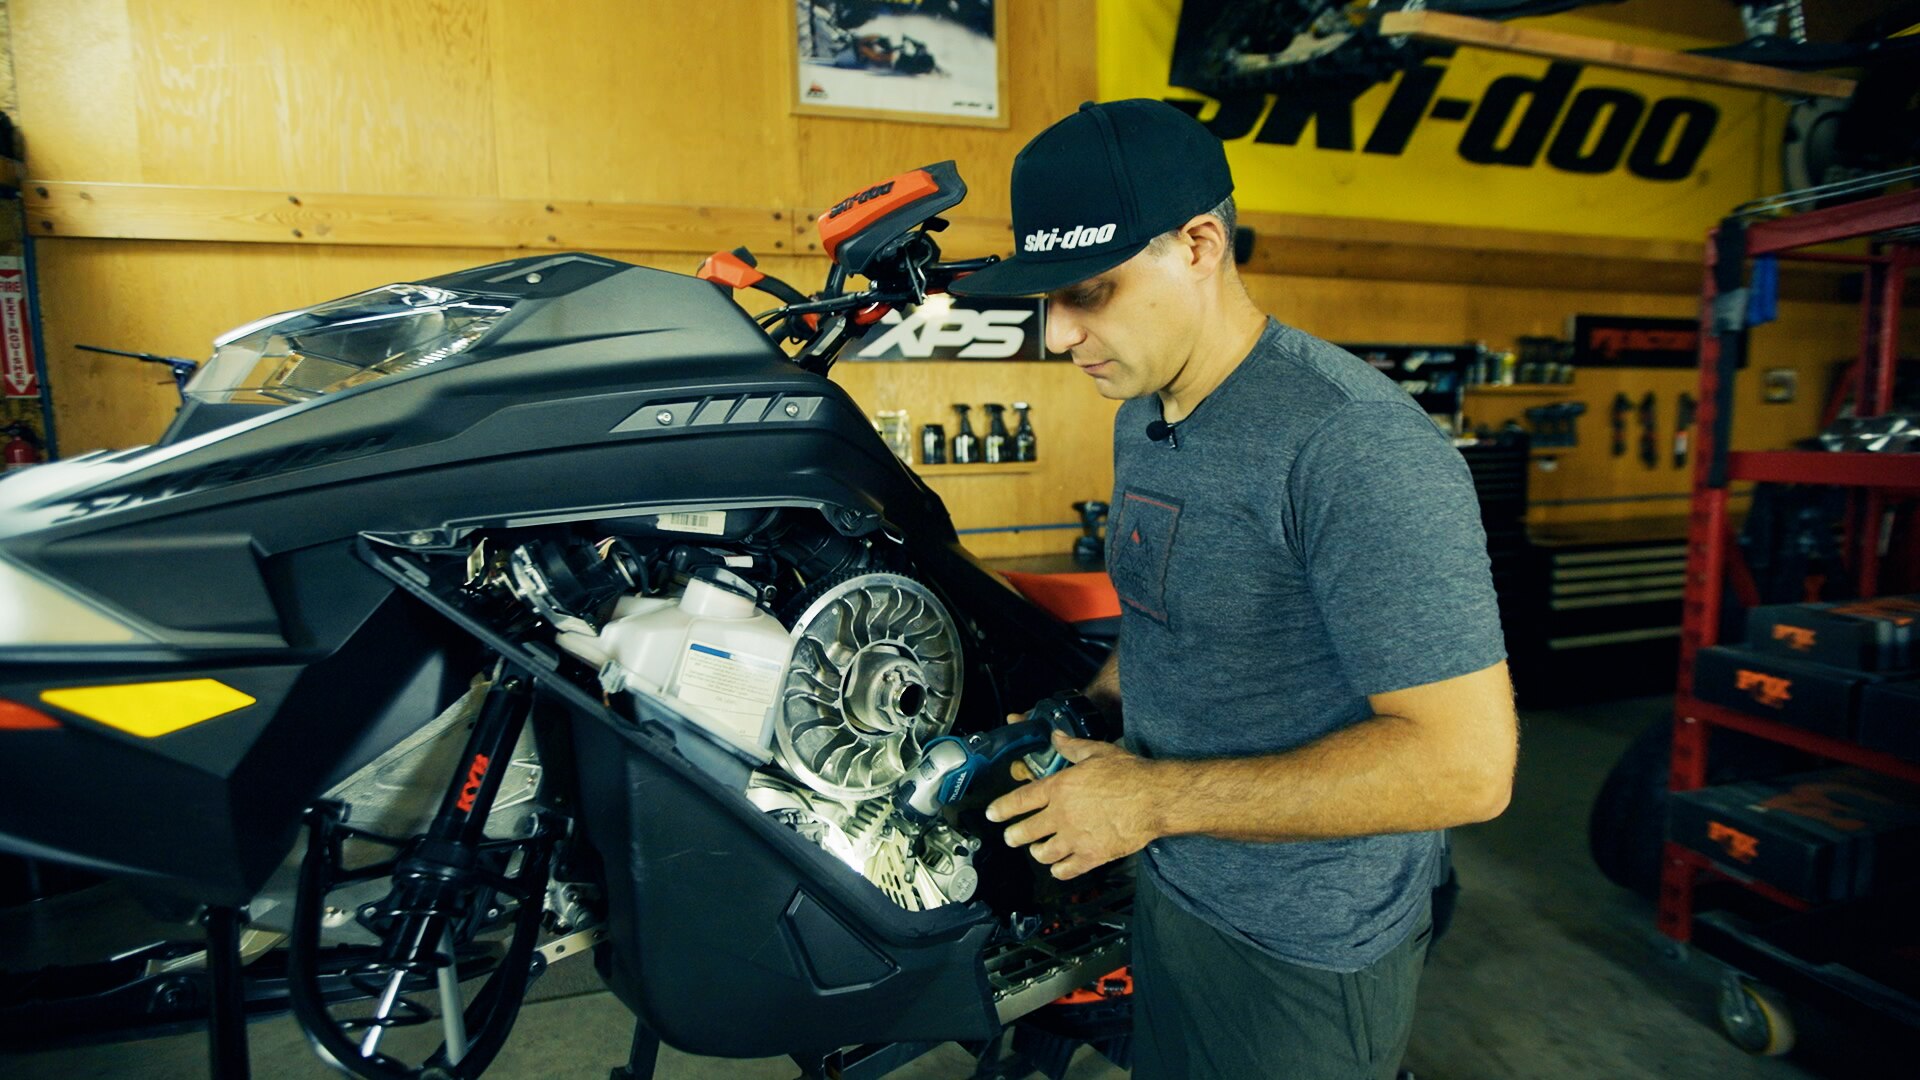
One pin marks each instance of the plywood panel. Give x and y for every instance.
(1072, 422)
(1421, 235)
(165, 212)
(1807, 338)
(654, 102)
(599, 99)
(75, 63)
(1367, 312)
(1565, 478)
(346, 95)
(1304, 245)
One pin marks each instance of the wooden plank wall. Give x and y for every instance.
(1808, 338)
(607, 101)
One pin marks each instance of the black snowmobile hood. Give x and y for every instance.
(579, 324)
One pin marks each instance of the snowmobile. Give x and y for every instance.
(552, 607)
(826, 37)
(877, 52)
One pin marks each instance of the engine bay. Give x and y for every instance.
(812, 668)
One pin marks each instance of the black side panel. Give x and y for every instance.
(193, 583)
(209, 811)
(199, 417)
(397, 672)
(723, 948)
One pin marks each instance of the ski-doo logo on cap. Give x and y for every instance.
(1078, 236)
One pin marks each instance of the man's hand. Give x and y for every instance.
(1103, 808)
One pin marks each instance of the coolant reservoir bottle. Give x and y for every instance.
(714, 651)
(734, 658)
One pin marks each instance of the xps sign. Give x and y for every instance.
(947, 328)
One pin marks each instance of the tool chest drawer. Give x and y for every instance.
(1600, 607)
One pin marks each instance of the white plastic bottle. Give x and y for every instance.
(714, 651)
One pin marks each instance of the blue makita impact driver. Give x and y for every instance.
(950, 764)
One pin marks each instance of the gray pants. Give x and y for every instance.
(1209, 1007)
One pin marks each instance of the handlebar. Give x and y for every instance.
(909, 271)
(937, 277)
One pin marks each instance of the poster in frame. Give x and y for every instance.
(919, 61)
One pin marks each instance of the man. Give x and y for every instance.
(1310, 672)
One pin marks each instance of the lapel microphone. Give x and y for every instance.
(1161, 431)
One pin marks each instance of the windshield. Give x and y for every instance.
(344, 343)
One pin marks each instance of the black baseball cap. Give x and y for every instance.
(1094, 189)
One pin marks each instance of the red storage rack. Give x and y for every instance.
(1894, 221)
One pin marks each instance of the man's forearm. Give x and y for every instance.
(1384, 775)
(1104, 690)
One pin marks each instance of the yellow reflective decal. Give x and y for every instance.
(150, 709)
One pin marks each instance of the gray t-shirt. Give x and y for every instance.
(1307, 538)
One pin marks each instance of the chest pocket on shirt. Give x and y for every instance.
(1139, 548)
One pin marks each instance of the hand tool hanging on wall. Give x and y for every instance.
(1683, 428)
(1541, 419)
(1649, 418)
(1573, 411)
(1622, 408)
(966, 445)
(1553, 425)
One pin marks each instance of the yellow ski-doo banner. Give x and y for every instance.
(1480, 138)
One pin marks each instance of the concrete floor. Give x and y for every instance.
(1549, 971)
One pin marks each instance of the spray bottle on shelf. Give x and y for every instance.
(1025, 448)
(966, 445)
(999, 443)
(933, 444)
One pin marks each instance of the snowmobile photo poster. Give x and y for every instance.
(935, 61)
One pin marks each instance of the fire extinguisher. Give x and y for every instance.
(23, 447)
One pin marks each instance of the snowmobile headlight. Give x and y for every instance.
(344, 343)
(37, 611)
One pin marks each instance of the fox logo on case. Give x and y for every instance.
(1798, 638)
(1838, 805)
(1738, 845)
(1768, 690)
(1898, 610)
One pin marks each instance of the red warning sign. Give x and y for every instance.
(17, 369)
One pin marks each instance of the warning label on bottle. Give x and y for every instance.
(734, 686)
(706, 522)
